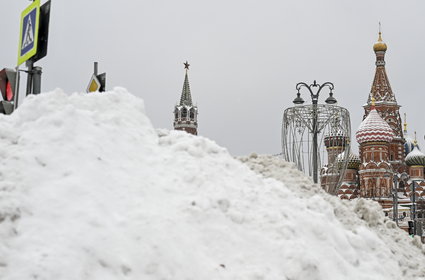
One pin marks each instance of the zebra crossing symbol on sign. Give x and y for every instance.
(28, 39)
(29, 32)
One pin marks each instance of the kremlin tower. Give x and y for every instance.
(185, 113)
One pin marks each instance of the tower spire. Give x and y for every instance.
(386, 105)
(186, 97)
(381, 89)
(185, 113)
(373, 103)
(405, 124)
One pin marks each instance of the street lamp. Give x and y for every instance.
(396, 178)
(414, 206)
(314, 98)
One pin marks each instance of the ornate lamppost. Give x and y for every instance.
(306, 128)
(315, 99)
(396, 179)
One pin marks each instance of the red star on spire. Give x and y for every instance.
(186, 65)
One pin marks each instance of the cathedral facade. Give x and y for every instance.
(389, 161)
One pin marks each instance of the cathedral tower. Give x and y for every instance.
(350, 183)
(375, 136)
(335, 143)
(387, 107)
(185, 113)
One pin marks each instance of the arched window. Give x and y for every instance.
(192, 113)
(184, 113)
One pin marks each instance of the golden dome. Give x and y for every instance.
(380, 45)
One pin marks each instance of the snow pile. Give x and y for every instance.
(89, 190)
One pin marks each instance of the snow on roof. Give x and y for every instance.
(90, 190)
(374, 128)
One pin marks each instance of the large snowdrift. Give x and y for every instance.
(90, 190)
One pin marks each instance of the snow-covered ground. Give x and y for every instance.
(90, 190)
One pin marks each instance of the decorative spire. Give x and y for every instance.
(380, 46)
(381, 88)
(405, 124)
(186, 98)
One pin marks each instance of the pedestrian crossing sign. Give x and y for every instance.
(28, 36)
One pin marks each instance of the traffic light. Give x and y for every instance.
(7, 89)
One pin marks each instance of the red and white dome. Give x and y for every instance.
(374, 129)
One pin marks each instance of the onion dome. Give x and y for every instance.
(336, 139)
(408, 145)
(415, 157)
(374, 128)
(380, 45)
(353, 160)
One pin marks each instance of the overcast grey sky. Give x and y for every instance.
(246, 57)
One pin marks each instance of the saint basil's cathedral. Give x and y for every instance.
(385, 149)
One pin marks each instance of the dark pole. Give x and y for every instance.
(36, 79)
(315, 163)
(395, 200)
(414, 206)
(314, 99)
(29, 76)
(16, 96)
(30, 65)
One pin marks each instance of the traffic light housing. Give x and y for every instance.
(8, 90)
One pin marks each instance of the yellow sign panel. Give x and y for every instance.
(94, 84)
(28, 35)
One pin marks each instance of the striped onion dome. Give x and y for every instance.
(374, 129)
(415, 157)
(353, 160)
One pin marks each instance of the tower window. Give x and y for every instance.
(184, 113)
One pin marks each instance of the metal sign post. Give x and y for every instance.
(16, 96)
(33, 39)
